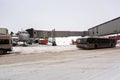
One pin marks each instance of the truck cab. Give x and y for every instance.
(5, 43)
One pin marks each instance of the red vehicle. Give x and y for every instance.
(43, 41)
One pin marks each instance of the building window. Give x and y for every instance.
(93, 32)
(34, 32)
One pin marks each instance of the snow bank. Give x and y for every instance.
(65, 40)
(43, 48)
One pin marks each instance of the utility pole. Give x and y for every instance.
(53, 38)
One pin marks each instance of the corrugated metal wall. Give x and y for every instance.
(110, 27)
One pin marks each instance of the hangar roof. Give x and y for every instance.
(105, 22)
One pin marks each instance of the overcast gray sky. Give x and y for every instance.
(59, 14)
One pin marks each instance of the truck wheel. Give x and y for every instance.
(112, 45)
(95, 46)
(5, 51)
(1, 51)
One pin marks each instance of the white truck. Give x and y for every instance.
(5, 41)
(3, 31)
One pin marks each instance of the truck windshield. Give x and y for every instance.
(4, 41)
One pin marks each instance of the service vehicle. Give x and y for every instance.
(5, 43)
(94, 43)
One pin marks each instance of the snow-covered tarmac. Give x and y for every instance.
(73, 64)
(43, 49)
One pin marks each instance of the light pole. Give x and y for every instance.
(53, 38)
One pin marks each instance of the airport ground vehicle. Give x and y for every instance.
(3, 31)
(15, 40)
(5, 43)
(94, 43)
(43, 41)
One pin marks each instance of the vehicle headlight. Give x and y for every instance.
(78, 41)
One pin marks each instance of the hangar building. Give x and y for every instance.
(107, 28)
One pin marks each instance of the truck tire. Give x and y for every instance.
(1, 51)
(5, 51)
(112, 45)
(95, 46)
